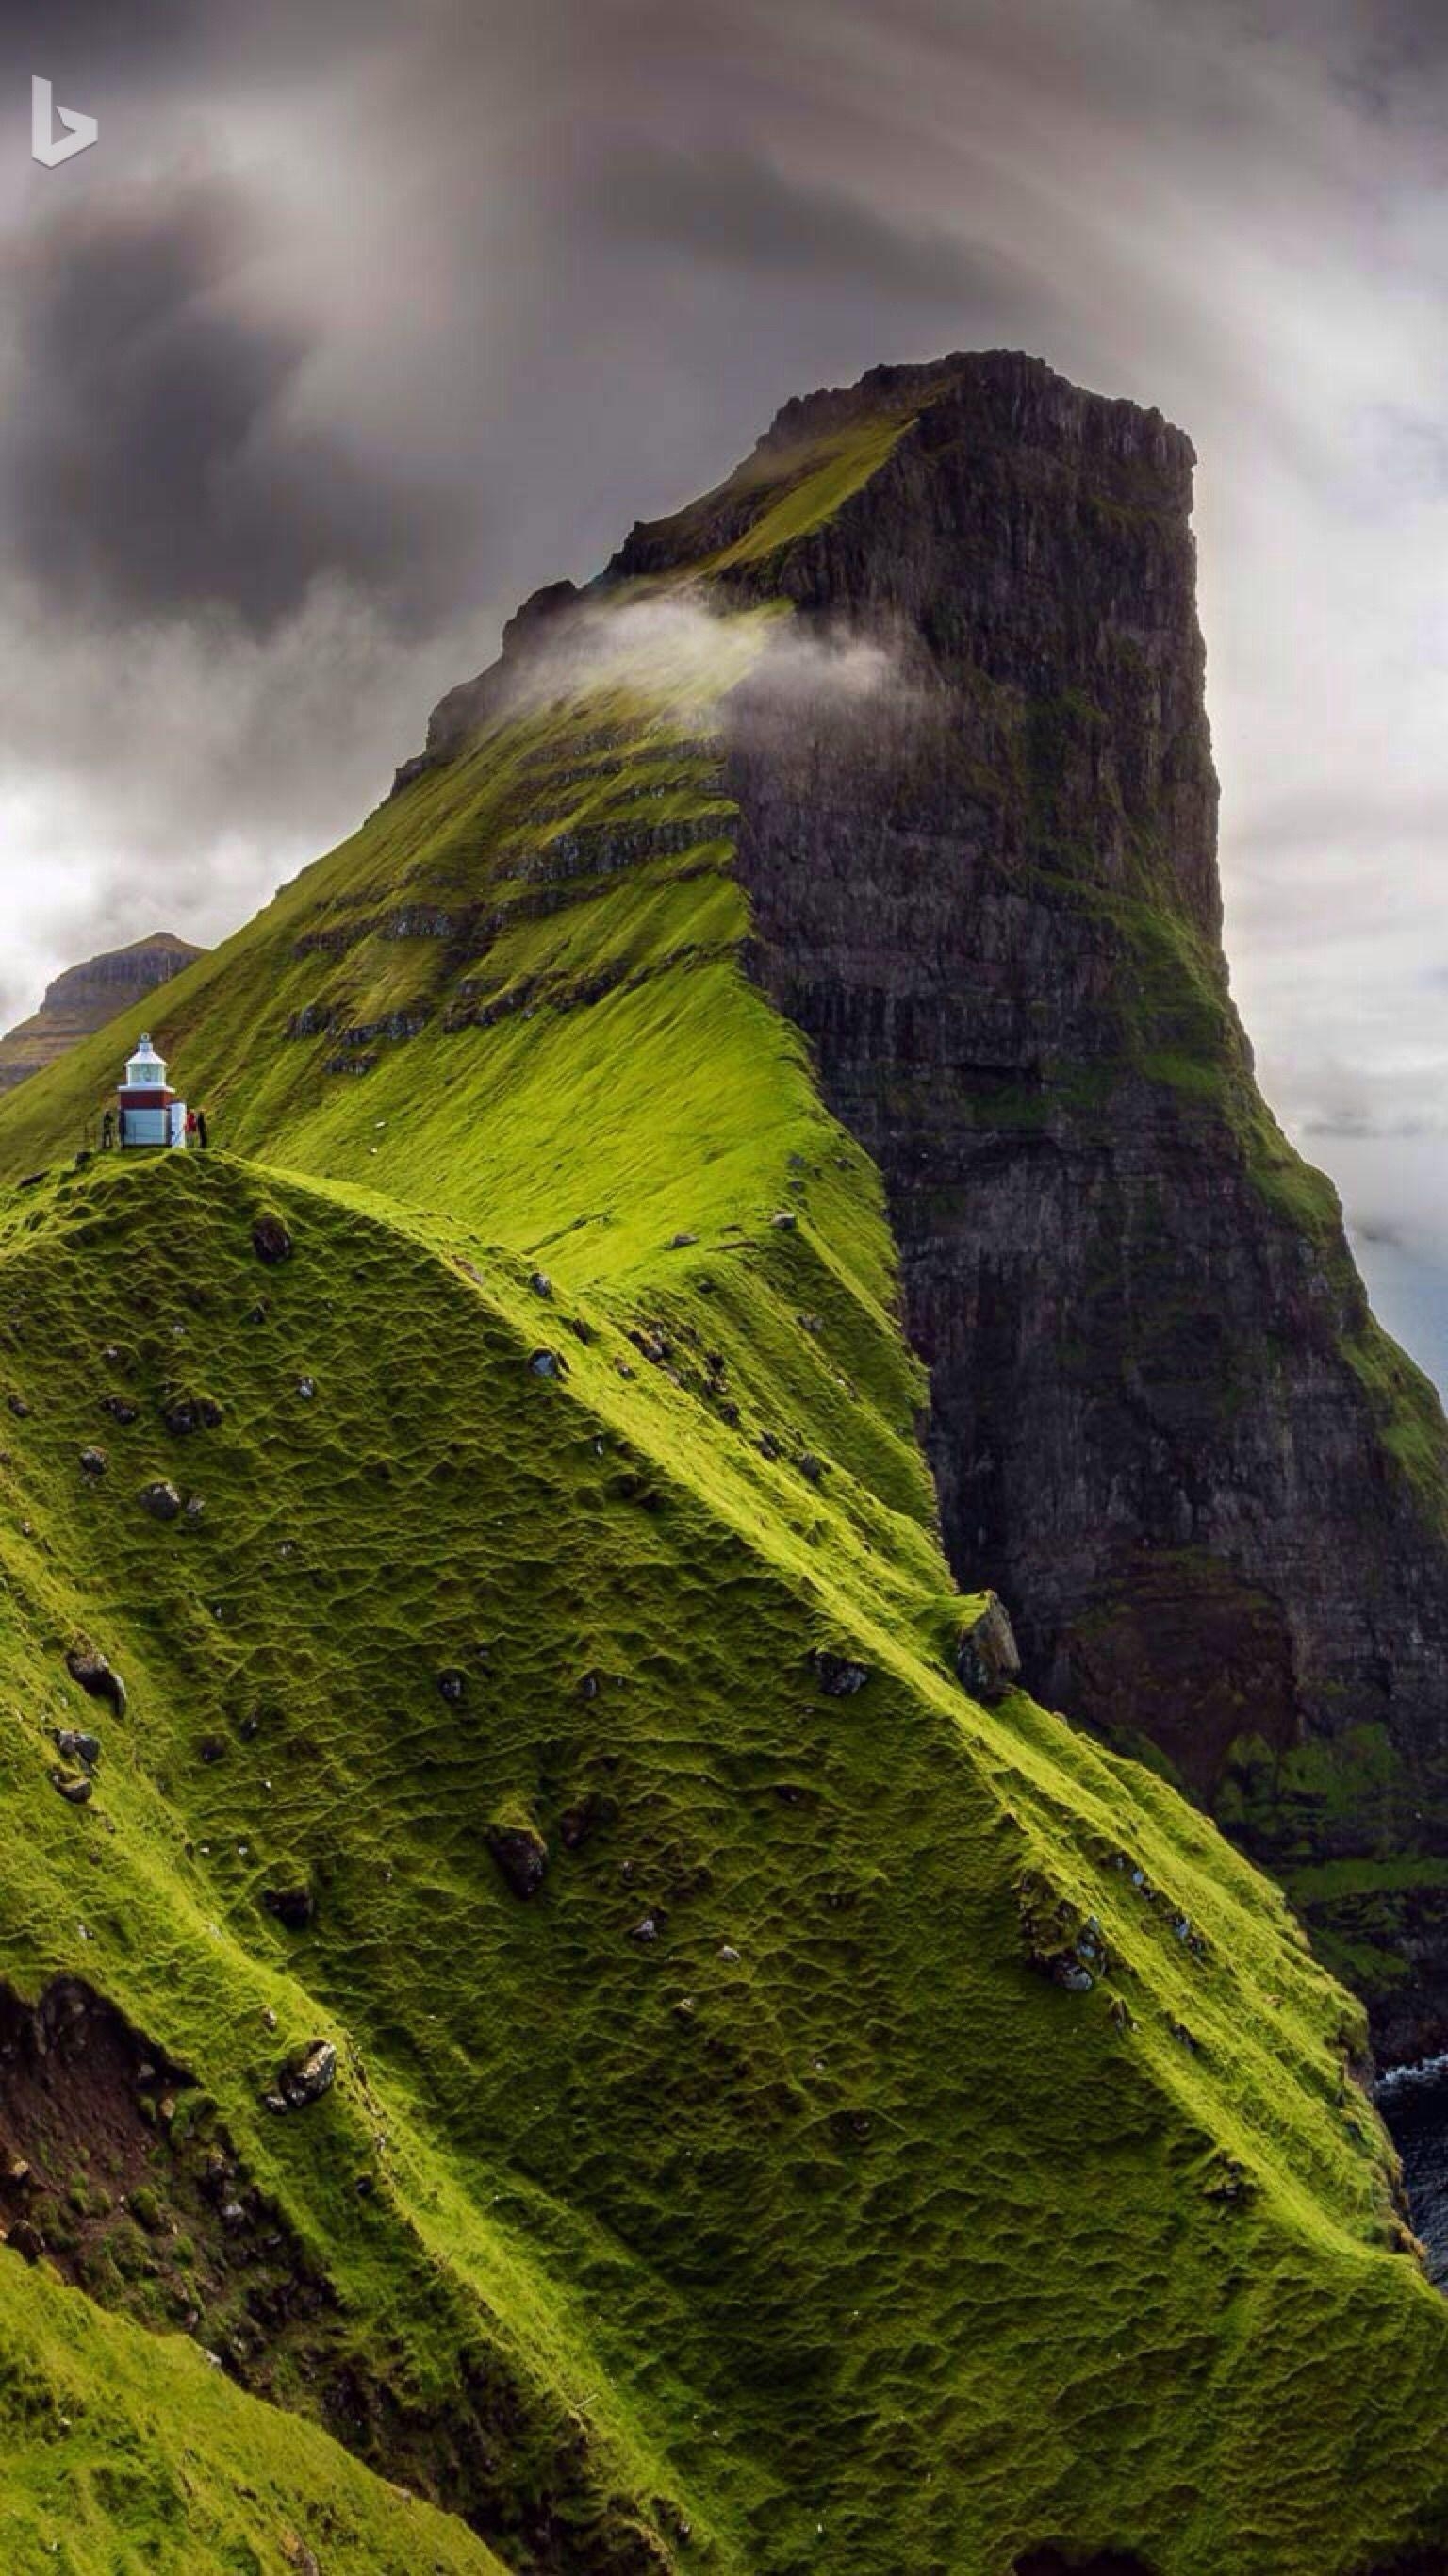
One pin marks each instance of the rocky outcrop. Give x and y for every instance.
(1163, 1424)
(987, 1658)
(85, 997)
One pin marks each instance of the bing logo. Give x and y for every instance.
(77, 133)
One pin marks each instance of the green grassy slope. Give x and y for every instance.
(872, 2225)
(756, 2186)
(123, 2451)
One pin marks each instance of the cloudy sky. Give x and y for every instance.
(360, 321)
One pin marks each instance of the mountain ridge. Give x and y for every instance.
(787, 2110)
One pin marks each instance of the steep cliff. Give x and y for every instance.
(85, 997)
(1163, 1421)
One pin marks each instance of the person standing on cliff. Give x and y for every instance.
(108, 1131)
(201, 1129)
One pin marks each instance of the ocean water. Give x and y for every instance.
(1414, 2102)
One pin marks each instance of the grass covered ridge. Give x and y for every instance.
(896, 2132)
(785, 2233)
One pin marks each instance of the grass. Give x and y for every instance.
(781, 493)
(127, 2451)
(753, 2178)
(702, 2235)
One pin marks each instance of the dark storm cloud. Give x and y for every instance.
(100, 38)
(737, 210)
(150, 463)
(119, 42)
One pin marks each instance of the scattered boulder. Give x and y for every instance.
(1060, 1941)
(74, 1745)
(161, 1500)
(119, 1407)
(521, 1857)
(839, 1676)
(97, 1676)
(1228, 2181)
(681, 1242)
(654, 1345)
(93, 1462)
(183, 1414)
(212, 1748)
(579, 1823)
(26, 2240)
(453, 1686)
(647, 1930)
(270, 1240)
(810, 1467)
(306, 1388)
(785, 1219)
(540, 1283)
(546, 1363)
(18, 1407)
(294, 1907)
(768, 1445)
(987, 1659)
(304, 2076)
(73, 1785)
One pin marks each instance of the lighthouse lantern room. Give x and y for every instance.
(148, 1112)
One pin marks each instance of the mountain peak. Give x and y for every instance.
(84, 997)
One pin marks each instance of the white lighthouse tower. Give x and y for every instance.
(148, 1113)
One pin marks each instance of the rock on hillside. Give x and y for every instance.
(85, 997)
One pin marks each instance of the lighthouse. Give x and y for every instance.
(148, 1113)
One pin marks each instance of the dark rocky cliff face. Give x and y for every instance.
(86, 996)
(1164, 1424)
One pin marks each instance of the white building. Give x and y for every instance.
(147, 1112)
